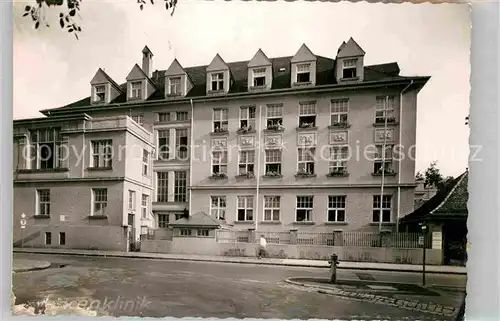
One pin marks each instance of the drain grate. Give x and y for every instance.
(365, 276)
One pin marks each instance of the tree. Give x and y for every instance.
(419, 176)
(69, 10)
(434, 178)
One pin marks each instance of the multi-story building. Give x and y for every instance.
(275, 144)
(81, 182)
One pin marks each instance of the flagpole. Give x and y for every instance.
(257, 169)
(383, 164)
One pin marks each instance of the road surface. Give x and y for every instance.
(159, 288)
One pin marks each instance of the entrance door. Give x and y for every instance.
(455, 242)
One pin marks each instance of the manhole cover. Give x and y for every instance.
(381, 287)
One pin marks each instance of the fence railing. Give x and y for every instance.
(354, 239)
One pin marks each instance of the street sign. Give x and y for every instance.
(420, 240)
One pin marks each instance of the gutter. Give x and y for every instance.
(399, 162)
(191, 152)
(273, 93)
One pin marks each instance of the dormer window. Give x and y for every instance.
(136, 90)
(100, 93)
(303, 73)
(217, 81)
(349, 68)
(259, 77)
(174, 86)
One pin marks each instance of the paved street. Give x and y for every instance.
(156, 288)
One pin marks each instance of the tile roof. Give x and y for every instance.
(198, 219)
(239, 73)
(449, 202)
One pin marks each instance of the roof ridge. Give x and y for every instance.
(459, 180)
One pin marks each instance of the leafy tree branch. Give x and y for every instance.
(70, 10)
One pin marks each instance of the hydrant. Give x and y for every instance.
(334, 261)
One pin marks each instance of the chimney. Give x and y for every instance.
(147, 61)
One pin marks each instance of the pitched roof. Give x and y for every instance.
(449, 202)
(239, 73)
(198, 219)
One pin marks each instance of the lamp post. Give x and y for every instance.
(424, 228)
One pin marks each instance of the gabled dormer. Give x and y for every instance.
(349, 62)
(177, 82)
(260, 72)
(218, 76)
(303, 65)
(103, 89)
(139, 85)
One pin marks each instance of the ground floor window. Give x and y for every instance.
(62, 238)
(185, 232)
(384, 207)
(203, 232)
(48, 238)
(336, 208)
(304, 208)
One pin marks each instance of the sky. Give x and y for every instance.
(52, 68)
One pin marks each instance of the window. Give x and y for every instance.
(136, 90)
(217, 81)
(100, 93)
(144, 206)
(385, 207)
(174, 86)
(180, 187)
(338, 159)
(220, 120)
(181, 116)
(185, 232)
(162, 220)
(306, 160)
(100, 196)
(178, 216)
(273, 162)
(386, 163)
(46, 149)
(43, 196)
(272, 208)
(219, 162)
(163, 144)
(274, 116)
(338, 111)
(131, 200)
(349, 68)
(336, 208)
(203, 232)
(303, 73)
(307, 115)
(245, 208)
(139, 119)
(48, 238)
(163, 117)
(62, 238)
(102, 153)
(162, 187)
(218, 207)
(259, 77)
(384, 109)
(246, 163)
(181, 142)
(247, 117)
(304, 208)
(145, 162)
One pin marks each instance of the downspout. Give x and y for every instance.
(399, 161)
(257, 206)
(84, 147)
(191, 152)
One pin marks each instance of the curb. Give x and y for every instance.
(363, 297)
(38, 267)
(234, 261)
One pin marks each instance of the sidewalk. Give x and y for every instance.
(21, 265)
(253, 260)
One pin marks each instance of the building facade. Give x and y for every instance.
(82, 182)
(272, 144)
